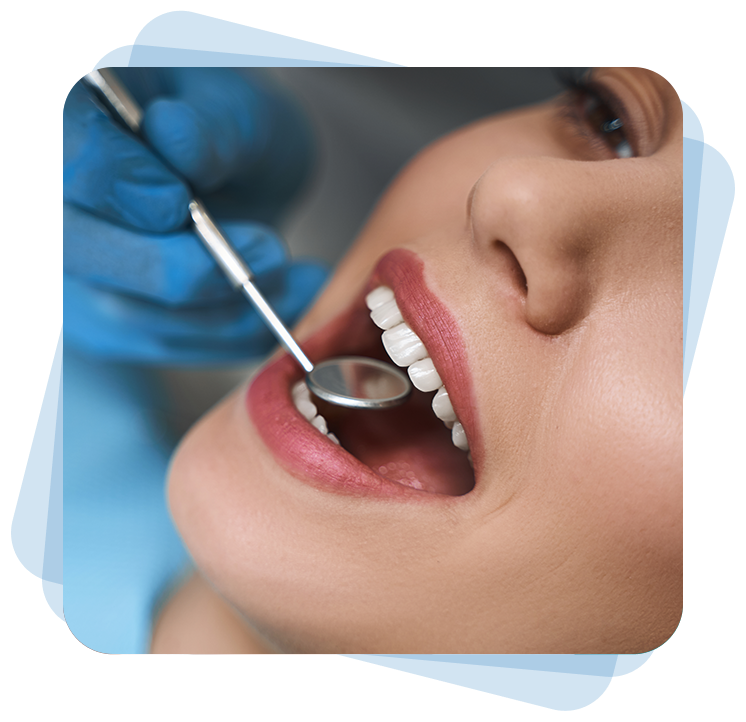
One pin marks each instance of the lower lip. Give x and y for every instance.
(296, 445)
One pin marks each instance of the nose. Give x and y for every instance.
(558, 217)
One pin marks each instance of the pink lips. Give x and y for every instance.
(313, 458)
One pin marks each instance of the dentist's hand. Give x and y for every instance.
(139, 286)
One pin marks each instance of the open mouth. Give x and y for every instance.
(421, 446)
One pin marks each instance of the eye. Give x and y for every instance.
(602, 120)
(597, 117)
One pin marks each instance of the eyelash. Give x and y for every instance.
(595, 117)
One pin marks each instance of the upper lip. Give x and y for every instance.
(316, 459)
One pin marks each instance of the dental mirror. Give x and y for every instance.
(359, 383)
(351, 381)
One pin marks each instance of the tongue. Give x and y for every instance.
(408, 445)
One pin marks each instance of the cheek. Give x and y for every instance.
(240, 536)
(617, 449)
(196, 495)
(218, 501)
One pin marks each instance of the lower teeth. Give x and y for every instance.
(307, 409)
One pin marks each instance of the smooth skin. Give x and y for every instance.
(562, 265)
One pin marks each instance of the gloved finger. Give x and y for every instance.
(111, 173)
(122, 328)
(212, 124)
(244, 147)
(172, 269)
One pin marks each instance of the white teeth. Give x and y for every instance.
(442, 406)
(458, 435)
(386, 315)
(378, 297)
(302, 399)
(403, 345)
(319, 422)
(301, 391)
(307, 408)
(424, 376)
(405, 348)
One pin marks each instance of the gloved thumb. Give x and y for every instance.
(212, 126)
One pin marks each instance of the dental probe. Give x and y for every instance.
(351, 381)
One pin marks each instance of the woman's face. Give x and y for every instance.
(538, 256)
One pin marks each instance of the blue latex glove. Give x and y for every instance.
(139, 286)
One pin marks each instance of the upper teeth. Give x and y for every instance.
(403, 345)
(424, 376)
(405, 348)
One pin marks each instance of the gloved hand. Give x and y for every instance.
(139, 286)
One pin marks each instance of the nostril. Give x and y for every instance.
(511, 266)
(521, 276)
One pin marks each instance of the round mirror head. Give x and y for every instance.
(359, 383)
